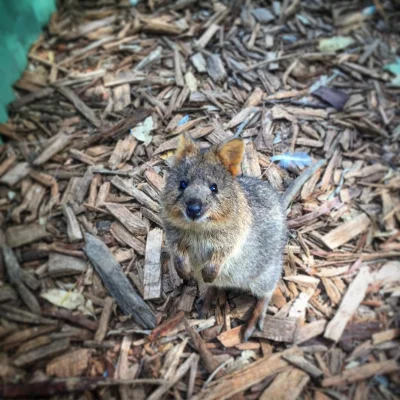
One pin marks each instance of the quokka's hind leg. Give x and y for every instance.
(257, 317)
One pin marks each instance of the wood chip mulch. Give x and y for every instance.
(90, 305)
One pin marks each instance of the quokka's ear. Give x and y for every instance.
(186, 147)
(231, 155)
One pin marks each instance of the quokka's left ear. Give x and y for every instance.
(186, 147)
(231, 155)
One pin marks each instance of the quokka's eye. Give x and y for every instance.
(183, 185)
(214, 188)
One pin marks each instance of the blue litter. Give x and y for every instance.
(183, 120)
(288, 159)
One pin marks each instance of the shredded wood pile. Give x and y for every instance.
(90, 304)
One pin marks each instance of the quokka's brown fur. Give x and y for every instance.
(236, 240)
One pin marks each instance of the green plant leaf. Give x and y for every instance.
(335, 43)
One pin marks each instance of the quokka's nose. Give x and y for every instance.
(194, 209)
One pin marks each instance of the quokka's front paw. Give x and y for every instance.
(182, 267)
(210, 272)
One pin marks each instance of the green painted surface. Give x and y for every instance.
(21, 23)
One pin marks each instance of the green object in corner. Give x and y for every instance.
(21, 23)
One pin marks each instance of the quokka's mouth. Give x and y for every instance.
(198, 219)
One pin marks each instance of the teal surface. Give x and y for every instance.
(21, 23)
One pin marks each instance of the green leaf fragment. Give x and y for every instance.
(335, 43)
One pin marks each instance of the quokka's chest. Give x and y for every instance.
(200, 251)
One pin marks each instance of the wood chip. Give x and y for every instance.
(42, 352)
(117, 283)
(345, 232)
(87, 112)
(132, 222)
(71, 364)
(20, 235)
(288, 385)
(73, 230)
(57, 144)
(152, 265)
(104, 320)
(64, 265)
(139, 196)
(361, 373)
(351, 300)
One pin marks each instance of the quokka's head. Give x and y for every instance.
(201, 188)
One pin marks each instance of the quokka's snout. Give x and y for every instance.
(194, 209)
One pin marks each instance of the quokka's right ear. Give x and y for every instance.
(186, 147)
(231, 155)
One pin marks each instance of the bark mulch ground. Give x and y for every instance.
(90, 305)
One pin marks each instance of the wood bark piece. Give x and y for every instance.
(7, 293)
(240, 380)
(129, 77)
(155, 180)
(16, 314)
(288, 385)
(56, 145)
(275, 328)
(32, 344)
(122, 371)
(71, 364)
(158, 26)
(361, 373)
(16, 278)
(50, 388)
(138, 195)
(73, 229)
(309, 331)
(303, 364)
(32, 200)
(385, 336)
(167, 326)
(124, 236)
(31, 97)
(15, 339)
(15, 174)
(215, 68)
(251, 165)
(68, 315)
(121, 127)
(209, 361)
(86, 111)
(152, 265)
(180, 373)
(151, 216)
(122, 152)
(347, 231)
(64, 265)
(295, 187)
(17, 236)
(178, 71)
(187, 298)
(131, 221)
(42, 352)
(117, 283)
(8, 162)
(207, 35)
(351, 300)
(122, 97)
(278, 329)
(199, 62)
(104, 320)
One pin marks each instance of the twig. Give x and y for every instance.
(298, 183)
